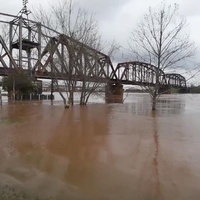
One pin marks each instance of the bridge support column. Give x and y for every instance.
(114, 93)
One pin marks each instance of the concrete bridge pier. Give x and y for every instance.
(114, 93)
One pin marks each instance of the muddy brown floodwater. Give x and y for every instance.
(101, 152)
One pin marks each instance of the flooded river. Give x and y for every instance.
(101, 152)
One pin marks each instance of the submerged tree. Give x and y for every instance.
(18, 85)
(82, 27)
(160, 39)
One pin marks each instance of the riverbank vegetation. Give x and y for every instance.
(194, 89)
(18, 85)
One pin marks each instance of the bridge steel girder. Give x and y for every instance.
(21, 47)
(138, 72)
(175, 80)
(65, 59)
(50, 55)
(144, 74)
(59, 56)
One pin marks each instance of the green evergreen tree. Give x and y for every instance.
(18, 85)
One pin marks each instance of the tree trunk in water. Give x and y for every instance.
(0, 98)
(71, 98)
(64, 99)
(82, 98)
(154, 102)
(87, 98)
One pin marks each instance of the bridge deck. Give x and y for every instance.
(37, 75)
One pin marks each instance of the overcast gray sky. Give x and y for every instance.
(117, 18)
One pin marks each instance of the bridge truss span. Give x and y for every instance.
(66, 58)
(145, 74)
(175, 80)
(45, 53)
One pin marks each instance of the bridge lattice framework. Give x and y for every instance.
(45, 53)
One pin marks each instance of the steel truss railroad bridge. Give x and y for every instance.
(47, 54)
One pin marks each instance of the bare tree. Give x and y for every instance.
(83, 44)
(160, 40)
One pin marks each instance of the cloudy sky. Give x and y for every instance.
(117, 18)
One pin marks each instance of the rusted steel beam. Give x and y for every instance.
(145, 74)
